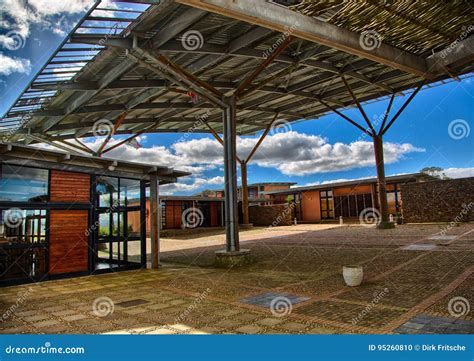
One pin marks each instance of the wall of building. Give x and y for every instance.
(214, 210)
(68, 242)
(173, 212)
(438, 201)
(271, 215)
(273, 188)
(359, 189)
(311, 206)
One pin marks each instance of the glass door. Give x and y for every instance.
(120, 220)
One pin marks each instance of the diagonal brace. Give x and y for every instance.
(247, 81)
(219, 139)
(383, 131)
(265, 133)
(112, 132)
(366, 131)
(361, 110)
(140, 132)
(387, 112)
(164, 67)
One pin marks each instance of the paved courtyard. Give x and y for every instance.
(417, 279)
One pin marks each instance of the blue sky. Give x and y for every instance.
(422, 132)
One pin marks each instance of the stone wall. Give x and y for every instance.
(273, 215)
(438, 201)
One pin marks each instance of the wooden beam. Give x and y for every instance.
(456, 54)
(267, 130)
(219, 139)
(247, 81)
(117, 124)
(383, 131)
(129, 138)
(387, 112)
(278, 18)
(366, 131)
(361, 110)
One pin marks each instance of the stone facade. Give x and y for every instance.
(438, 201)
(271, 215)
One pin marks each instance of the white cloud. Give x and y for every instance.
(19, 15)
(292, 153)
(459, 172)
(194, 186)
(9, 65)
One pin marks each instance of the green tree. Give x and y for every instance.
(436, 172)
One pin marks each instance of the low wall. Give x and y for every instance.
(272, 215)
(438, 201)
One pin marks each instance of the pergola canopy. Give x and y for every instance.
(166, 66)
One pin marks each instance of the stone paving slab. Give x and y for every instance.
(442, 238)
(423, 323)
(268, 299)
(419, 247)
(132, 303)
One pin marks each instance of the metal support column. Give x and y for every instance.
(381, 184)
(245, 193)
(230, 176)
(154, 222)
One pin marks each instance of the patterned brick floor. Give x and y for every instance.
(414, 290)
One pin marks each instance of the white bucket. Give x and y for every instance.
(353, 275)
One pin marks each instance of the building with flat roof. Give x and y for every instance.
(257, 191)
(345, 199)
(67, 214)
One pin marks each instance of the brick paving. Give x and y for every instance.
(420, 290)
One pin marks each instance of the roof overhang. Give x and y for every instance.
(139, 64)
(30, 156)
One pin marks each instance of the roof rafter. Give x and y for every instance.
(281, 19)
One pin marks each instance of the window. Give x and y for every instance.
(107, 191)
(134, 224)
(23, 243)
(22, 227)
(327, 204)
(23, 184)
(129, 192)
